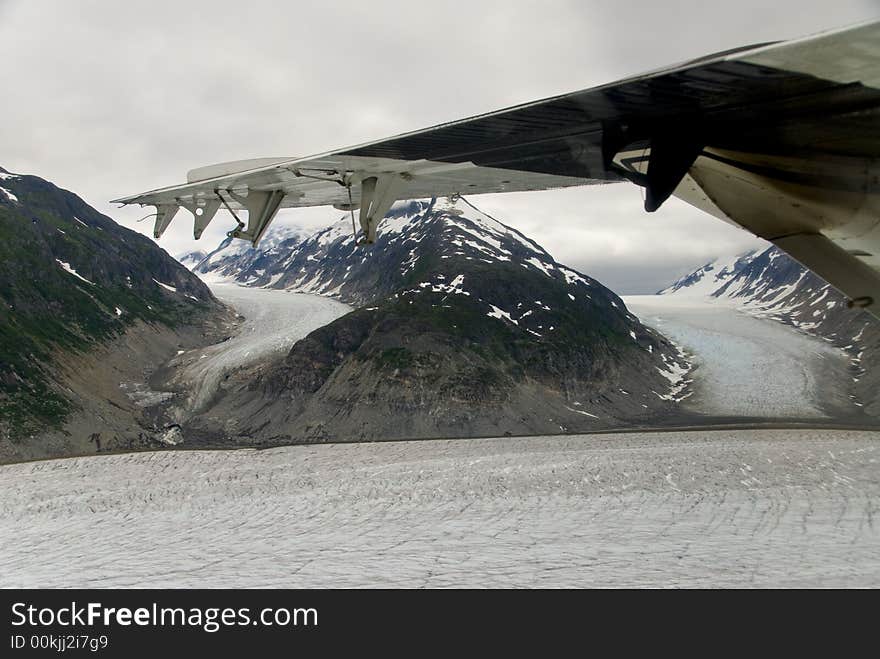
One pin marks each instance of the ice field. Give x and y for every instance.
(705, 508)
(754, 508)
(747, 366)
(274, 321)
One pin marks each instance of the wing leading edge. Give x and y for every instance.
(782, 140)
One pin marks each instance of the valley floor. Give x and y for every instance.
(702, 508)
(751, 367)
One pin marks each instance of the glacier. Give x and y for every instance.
(700, 509)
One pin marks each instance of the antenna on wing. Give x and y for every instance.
(354, 233)
(232, 212)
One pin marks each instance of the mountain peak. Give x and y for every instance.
(704, 281)
(416, 240)
(5, 193)
(460, 317)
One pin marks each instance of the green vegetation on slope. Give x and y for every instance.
(45, 309)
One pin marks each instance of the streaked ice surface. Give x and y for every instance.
(274, 321)
(707, 508)
(748, 366)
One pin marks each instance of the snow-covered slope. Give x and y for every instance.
(704, 281)
(191, 259)
(232, 256)
(769, 283)
(328, 262)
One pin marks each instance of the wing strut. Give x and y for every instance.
(378, 194)
(261, 207)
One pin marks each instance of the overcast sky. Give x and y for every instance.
(111, 98)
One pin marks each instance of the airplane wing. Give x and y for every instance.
(781, 139)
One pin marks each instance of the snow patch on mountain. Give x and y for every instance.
(500, 314)
(167, 287)
(452, 288)
(677, 374)
(67, 268)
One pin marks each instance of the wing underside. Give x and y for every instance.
(781, 139)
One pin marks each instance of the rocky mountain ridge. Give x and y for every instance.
(72, 282)
(464, 327)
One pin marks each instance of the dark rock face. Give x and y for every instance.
(770, 284)
(464, 327)
(71, 278)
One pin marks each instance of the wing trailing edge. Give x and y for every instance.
(781, 139)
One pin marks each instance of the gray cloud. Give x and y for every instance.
(112, 98)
